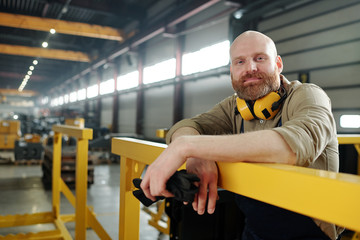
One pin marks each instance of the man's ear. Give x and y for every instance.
(279, 63)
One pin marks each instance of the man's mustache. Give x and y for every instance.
(259, 75)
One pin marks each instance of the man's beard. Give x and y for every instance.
(253, 91)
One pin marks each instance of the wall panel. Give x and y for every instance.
(328, 20)
(127, 112)
(158, 107)
(201, 95)
(106, 111)
(310, 10)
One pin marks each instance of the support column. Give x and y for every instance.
(178, 112)
(98, 103)
(140, 95)
(86, 105)
(115, 109)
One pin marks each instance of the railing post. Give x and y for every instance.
(129, 216)
(357, 147)
(56, 174)
(81, 188)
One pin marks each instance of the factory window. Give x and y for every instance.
(54, 102)
(81, 94)
(350, 121)
(61, 100)
(45, 100)
(207, 58)
(92, 91)
(66, 98)
(73, 97)
(160, 71)
(127, 81)
(107, 87)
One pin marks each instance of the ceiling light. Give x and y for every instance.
(29, 73)
(44, 44)
(52, 31)
(35, 62)
(26, 77)
(31, 68)
(239, 13)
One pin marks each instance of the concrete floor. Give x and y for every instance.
(22, 191)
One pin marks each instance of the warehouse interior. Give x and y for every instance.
(127, 68)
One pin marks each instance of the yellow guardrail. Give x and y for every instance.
(306, 191)
(351, 139)
(84, 217)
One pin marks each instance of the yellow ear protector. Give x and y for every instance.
(264, 108)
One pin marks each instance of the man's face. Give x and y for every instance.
(255, 68)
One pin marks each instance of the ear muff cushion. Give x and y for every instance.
(262, 106)
(244, 109)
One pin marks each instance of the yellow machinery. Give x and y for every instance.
(84, 217)
(9, 133)
(76, 122)
(306, 191)
(32, 138)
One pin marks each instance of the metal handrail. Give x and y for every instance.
(311, 192)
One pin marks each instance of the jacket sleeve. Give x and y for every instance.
(216, 121)
(309, 126)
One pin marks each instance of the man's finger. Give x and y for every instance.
(195, 203)
(213, 196)
(202, 197)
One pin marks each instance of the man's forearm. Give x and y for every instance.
(184, 131)
(261, 146)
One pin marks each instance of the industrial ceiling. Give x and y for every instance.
(87, 31)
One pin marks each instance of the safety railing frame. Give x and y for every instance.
(264, 182)
(84, 217)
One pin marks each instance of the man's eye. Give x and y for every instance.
(260, 58)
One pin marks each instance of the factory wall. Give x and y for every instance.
(322, 40)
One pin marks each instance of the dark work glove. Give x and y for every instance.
(180, 184)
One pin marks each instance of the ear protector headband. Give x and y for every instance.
(264, 108)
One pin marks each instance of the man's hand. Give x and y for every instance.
(207, 171)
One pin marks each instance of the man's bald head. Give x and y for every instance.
(253, 38)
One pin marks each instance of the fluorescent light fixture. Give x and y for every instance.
(350, 121)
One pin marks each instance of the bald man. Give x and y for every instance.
(296, 128)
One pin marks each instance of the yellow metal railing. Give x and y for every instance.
(303, 190)
(351, 139)
(84, 217)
